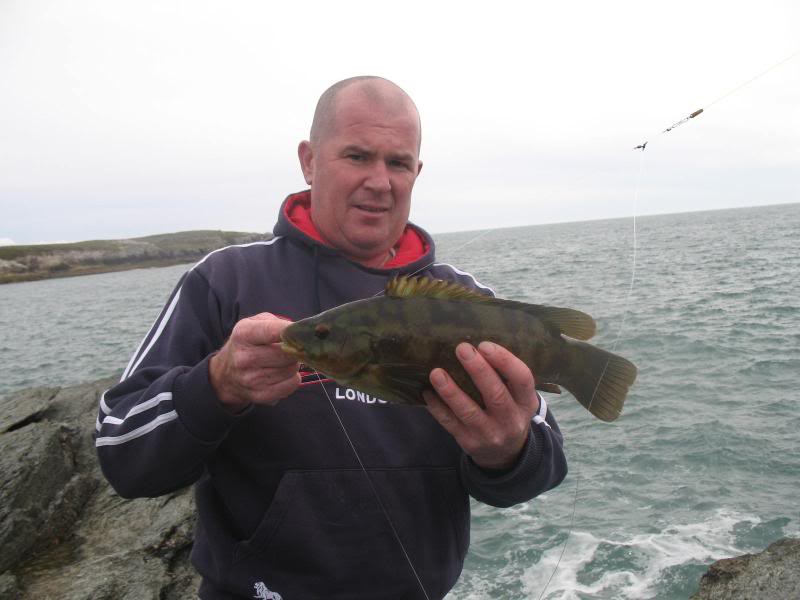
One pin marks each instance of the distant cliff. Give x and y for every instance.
(44, 261)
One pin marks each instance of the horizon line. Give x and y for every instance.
(438, 232)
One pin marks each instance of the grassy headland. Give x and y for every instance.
(45, 261)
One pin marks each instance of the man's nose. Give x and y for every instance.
(378, 178)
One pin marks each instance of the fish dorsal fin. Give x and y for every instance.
(570, 322)
(407, 287)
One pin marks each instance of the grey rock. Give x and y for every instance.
(24, 407)
(8, 586)
(35, 468)
(64, 533)
(771, 574)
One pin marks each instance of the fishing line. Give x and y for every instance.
(600, 379)
(698, 112)
(749, 81)
(372, 485)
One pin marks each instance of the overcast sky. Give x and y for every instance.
(128, 118)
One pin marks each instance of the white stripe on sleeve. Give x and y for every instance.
(114, 440)
(103, 406)
(161, 326)
(139, 408)
(539, 418)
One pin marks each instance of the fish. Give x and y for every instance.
(386, 346)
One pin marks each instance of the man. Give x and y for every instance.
(284, 504)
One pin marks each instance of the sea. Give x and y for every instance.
(703, 464)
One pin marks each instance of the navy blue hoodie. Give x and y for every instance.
(285, 510)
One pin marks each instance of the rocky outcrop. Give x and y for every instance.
(64, 533)
(773, 574)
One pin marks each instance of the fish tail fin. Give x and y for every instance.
(599, 379)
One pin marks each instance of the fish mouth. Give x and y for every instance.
(292, 348)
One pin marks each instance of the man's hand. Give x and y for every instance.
(493, 436)
(251, 367)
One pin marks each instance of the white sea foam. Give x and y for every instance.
(701, 542)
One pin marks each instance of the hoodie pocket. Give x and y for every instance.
(271, 520)
(328, 530)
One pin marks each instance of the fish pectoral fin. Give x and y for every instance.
(405, 380)
(551, 388)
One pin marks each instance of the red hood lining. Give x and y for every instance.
(409, 248)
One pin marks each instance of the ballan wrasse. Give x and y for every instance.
(387, 346)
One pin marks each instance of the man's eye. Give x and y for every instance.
(356, 157)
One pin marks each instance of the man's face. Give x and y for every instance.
(361, 171)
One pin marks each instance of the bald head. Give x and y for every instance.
(361, 164)
(380, 92)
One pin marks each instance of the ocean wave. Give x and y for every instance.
(664, 564)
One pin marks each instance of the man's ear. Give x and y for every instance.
(306, 156)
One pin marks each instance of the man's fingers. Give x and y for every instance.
(266, 376)
(492, 436)
(464, 408)
(442, 413)
(277, 391)
(518, 377)
(251, 366)
(264, 316)
(493, 391)
(260, 330)
(270, 356)
(276, 357)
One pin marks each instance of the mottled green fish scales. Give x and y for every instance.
(387, 346)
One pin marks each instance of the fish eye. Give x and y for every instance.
(322, 331)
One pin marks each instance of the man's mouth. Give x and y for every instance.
(371, 209)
